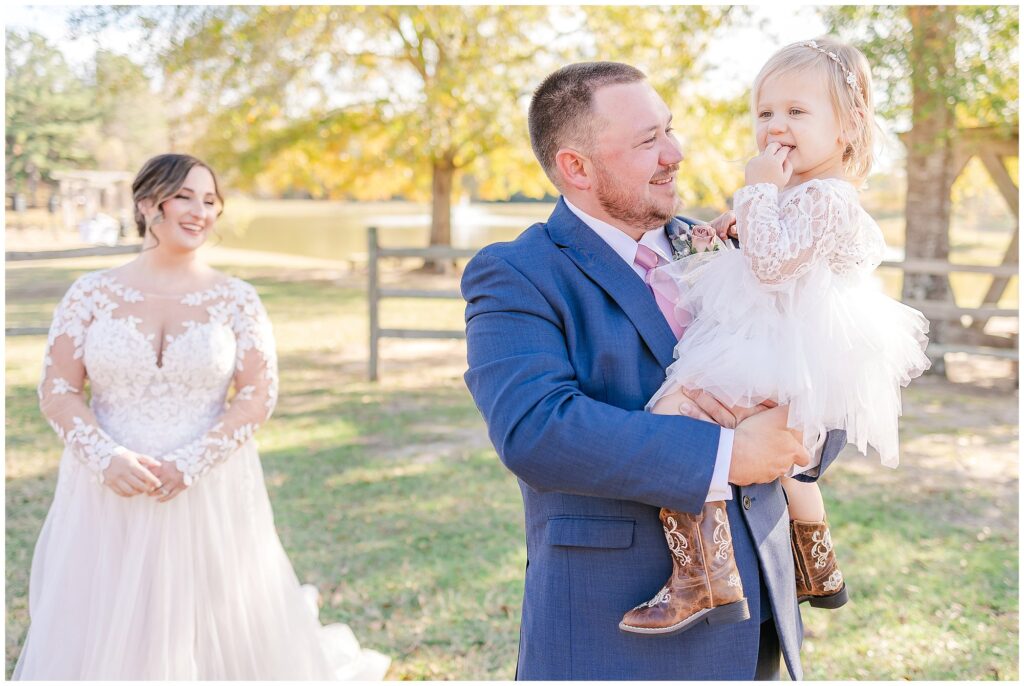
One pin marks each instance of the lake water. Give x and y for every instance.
(337, 230)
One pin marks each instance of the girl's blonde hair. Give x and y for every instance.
(848, 79)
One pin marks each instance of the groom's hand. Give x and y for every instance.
(764, 448)
(713, 410)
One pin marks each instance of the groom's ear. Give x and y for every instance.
(574, 169)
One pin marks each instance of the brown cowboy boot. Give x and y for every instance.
(818, 579)
(705, 583)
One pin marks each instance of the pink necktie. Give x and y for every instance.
(648, 259)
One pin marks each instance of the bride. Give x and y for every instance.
(159, 558)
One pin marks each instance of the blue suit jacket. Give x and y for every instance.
(566, 344)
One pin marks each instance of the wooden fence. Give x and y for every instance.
(376, 294)
(97, 251)
(946, 311)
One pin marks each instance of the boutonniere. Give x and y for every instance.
(693, 239)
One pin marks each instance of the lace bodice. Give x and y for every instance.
(159, 370)
(783, 235)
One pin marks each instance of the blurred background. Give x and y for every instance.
(322, 121)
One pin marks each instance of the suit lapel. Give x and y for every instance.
(676, 229)
(603, 266)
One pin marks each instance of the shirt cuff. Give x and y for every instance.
(720, 488)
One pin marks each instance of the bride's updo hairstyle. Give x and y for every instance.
(160, 178)
(847, 77)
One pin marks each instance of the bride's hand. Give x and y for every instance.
(130, 473)
(173, 482)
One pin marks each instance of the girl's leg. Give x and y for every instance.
(805, 503)
(818, 578)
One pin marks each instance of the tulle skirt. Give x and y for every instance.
(833, 348)
(195, 588)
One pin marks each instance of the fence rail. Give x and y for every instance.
(375, 253)
(931, 309)
(943, 267)
(949, 311)
(71, 253)
(96, 251)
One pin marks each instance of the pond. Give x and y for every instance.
(337, 230)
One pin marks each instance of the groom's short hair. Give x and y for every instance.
(560, 111)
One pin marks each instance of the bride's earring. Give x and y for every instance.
(154, 220)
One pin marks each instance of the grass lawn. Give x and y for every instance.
(390, 499)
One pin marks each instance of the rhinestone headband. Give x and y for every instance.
(851, 80)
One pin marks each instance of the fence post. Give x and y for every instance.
(373, 300)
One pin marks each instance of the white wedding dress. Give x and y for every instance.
(198, 587)
(792, 316)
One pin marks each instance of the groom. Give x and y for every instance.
(566, 344)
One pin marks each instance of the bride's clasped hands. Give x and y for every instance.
(130, 474)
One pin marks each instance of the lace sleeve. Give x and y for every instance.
(781, 242)
(255, 383)
(62, 388)
(863, 249)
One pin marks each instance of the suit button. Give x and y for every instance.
(746, 502)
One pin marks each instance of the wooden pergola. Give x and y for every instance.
(84, 192)
(993, 146)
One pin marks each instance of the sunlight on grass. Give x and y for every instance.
(389, 498)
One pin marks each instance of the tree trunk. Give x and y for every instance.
(930, 154)
(443, 174)
(33, 184)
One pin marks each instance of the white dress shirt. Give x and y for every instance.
(625, 247)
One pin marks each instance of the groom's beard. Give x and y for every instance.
(629, 207)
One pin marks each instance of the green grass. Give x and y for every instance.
(932, 598)
(388, 497)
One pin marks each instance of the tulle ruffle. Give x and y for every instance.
(195, 588)
(833, 348)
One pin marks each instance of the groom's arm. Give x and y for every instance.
(703, 405)
(545, 429)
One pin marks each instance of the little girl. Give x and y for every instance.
(790, 317)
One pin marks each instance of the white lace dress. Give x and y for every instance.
(793, 316)
(198, 587)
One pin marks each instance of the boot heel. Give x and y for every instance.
(729, 614)
(830, 602)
